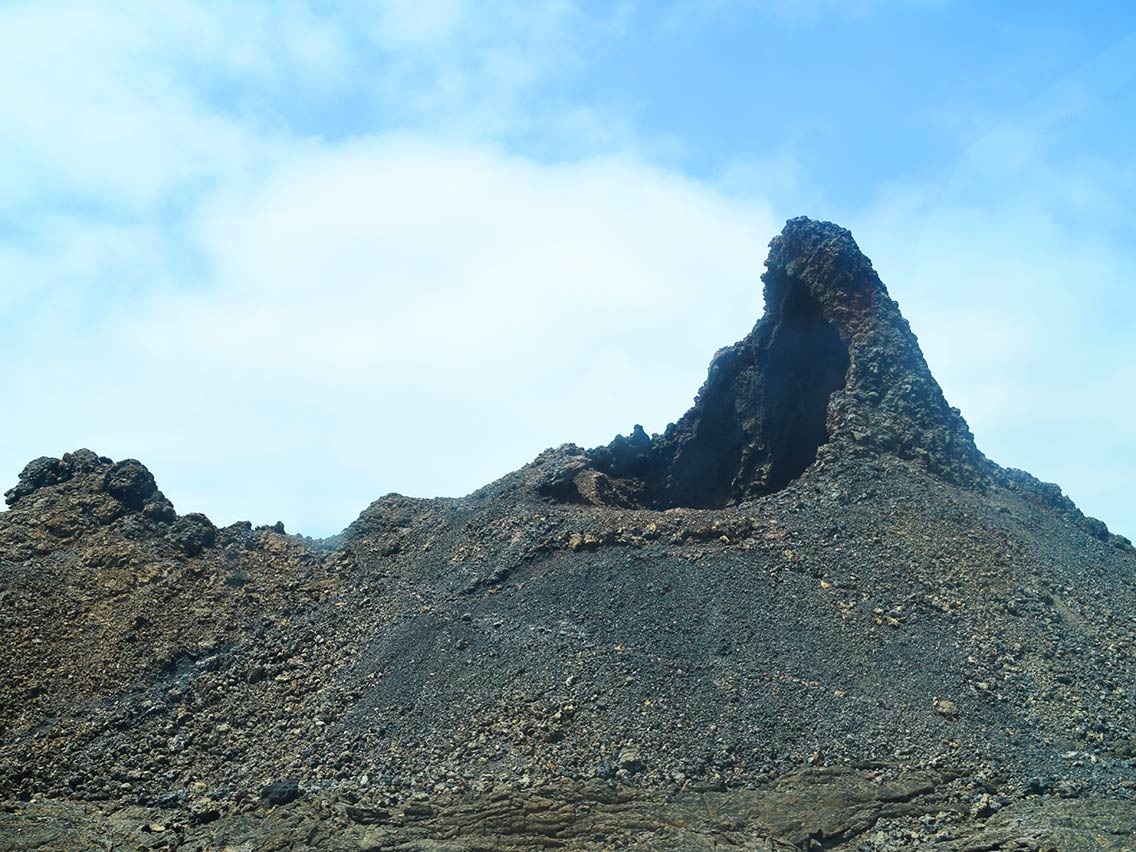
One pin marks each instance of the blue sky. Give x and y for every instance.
(296, 255)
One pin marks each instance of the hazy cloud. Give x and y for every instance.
(404, 315)
(296, 255)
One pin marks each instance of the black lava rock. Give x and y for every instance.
(130, 482)
(192, 533)
(280, 793)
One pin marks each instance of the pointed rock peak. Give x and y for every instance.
(832, 370)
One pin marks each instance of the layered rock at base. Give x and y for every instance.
(832, 369)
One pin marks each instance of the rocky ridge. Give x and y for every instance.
(811, 589)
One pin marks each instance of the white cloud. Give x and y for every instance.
(399, 314)
(222, 256)
(126, 108)
(100, 111)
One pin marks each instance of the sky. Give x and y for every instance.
(297, 255)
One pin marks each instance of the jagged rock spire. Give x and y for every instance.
(832, 369)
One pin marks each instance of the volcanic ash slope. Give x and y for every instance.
(811, 613)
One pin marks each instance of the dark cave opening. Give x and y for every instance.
(805, 364)
(757, 423)
(764, 410)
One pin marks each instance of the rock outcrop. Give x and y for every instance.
(832, 370)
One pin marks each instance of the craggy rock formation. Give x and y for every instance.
(830, 371)
(810, 615)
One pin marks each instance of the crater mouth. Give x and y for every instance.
(831, 362)
(807, 363)
(756, 425)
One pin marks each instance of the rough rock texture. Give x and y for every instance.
(830, 371)
(809, 615)
(838, 809)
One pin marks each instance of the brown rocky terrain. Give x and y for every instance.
(810, 615)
